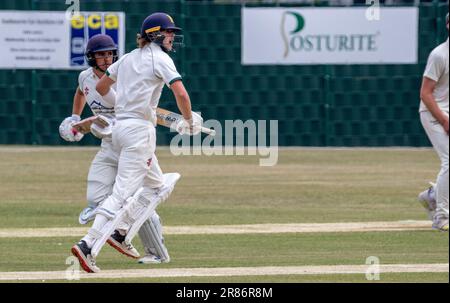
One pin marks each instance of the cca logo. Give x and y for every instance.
(94, 21)
(84, 26)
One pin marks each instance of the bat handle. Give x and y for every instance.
(208, 131)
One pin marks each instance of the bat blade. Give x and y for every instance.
(170, 119)
(84, 126)
(167, 118)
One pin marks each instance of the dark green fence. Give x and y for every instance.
(317, 105)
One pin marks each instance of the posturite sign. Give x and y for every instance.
(329, 36)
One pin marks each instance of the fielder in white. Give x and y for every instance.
(140, 185)
(101, 52)
(434, 115)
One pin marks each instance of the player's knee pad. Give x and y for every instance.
(134, 212)
(170, 180)
(159, 195)
(136, 209)
(152, 238)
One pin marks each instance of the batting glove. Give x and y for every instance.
(190, 127)
(67, 132)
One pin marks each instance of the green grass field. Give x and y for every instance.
(46, 188)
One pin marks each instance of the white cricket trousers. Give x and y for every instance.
(102, 174)
(135, 142)
(440, 141)
(103, 171)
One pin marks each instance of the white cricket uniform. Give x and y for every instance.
(437, 69)
(140, 77)
(104, 166)
(103, 170)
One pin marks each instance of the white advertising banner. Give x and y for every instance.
(329, 36)
(49, 40)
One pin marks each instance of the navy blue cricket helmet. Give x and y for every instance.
(99, 43)
(157, 22)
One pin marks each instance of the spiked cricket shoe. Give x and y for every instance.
(83, 253)
(427, 201)
(117, 241)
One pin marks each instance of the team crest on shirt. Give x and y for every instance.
(86, 91)
(99, 108)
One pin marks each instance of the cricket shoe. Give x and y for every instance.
(118, 242)
(427, 200)
(441, 224)
(152, 259)
(86, 215)
(149, 259)
(83, 254)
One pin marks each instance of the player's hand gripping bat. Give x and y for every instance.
(164, 117)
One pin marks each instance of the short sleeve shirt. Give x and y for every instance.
(437, 70)
(140, 77)
(87, 81)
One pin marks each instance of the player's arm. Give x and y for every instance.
(103, 87)
(426, 94)
(192, 123)
(183, 100)
(165, 70)
(79, 101)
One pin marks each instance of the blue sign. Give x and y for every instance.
(87, 24)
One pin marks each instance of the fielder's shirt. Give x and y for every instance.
(437, 70)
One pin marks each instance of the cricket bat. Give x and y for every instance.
(84, 126)
(164, 118)
(170, 119)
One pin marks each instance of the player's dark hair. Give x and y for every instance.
(141, 41)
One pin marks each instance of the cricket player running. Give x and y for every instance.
(434, 115)
(101, 52)
(140, 77)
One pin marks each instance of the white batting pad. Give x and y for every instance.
(111, 225)
(159, 195)
(151, 236)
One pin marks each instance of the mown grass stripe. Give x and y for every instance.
(235, 229)
(225, 271)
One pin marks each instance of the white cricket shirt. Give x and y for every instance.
(437, 70)
(140, 77)
(87, 81)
